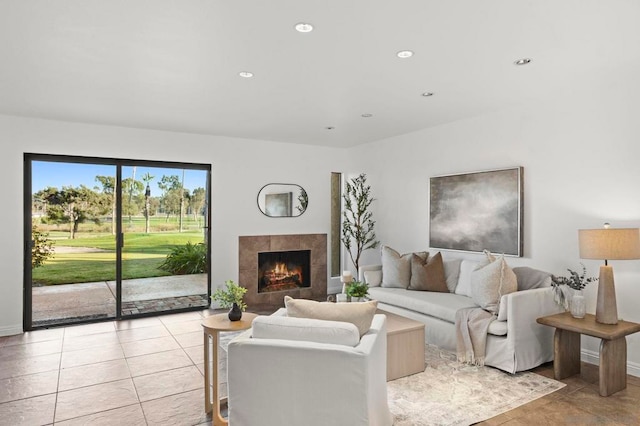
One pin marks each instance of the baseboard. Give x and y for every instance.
(11, 330)
(592, 357)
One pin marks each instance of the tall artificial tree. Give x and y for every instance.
(358, 234)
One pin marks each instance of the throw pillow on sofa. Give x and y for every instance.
(464, 277)
(359, 314)
(452, 272)
(396, 268)
(373, 278)
(529, 278)
(490, 281)
(428, 276)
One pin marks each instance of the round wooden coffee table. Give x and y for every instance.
(212, 327)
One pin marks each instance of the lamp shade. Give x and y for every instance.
(609, 244)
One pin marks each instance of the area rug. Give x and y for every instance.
(450, 393)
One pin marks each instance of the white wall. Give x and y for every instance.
(579, 152)
(580, 156)
(239, 169)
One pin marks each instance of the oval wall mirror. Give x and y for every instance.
(282, 200)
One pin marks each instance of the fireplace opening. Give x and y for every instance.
(283, 270)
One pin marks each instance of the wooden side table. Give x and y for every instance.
(613, 348)
(212, 326)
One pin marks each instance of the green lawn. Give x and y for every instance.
(141, 254)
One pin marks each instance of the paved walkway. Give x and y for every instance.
(85, 301)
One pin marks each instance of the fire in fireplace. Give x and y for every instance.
(283, 270)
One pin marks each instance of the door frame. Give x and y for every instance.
(118, 163)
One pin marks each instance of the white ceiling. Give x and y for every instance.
(173, 64)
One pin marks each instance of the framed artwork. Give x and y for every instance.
(472, 212)
(277, 205)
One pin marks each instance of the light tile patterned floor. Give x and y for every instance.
(149, 371)
(134, 372)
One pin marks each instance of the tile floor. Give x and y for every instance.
(136, 372)
(150, 372)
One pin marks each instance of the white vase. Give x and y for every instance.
(355, 299)
(578, 305)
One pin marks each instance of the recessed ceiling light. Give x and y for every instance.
(245, 74)
(329, 127)
(303, 27)
(427, 94)
(367, 115)
(523, 61)
(404, 54)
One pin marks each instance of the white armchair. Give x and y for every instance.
(280, 382)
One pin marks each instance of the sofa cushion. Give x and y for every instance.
(373, 278)
(498, 328)
(358, 314)
(396, 268)
(464, 280)
(428, 276)
(451, 273)
(490, 281)
(529, 278)
(307, 329)
(439, 305)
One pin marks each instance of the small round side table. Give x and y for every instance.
(212, 327)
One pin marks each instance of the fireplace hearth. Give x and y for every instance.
(268, 276)
(284, 270)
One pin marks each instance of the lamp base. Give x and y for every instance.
(606, 309)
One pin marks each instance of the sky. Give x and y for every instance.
(54, 174)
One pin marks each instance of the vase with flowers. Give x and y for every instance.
(568, 291)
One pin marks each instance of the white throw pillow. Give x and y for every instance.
(464, 280)
(359, 314)
(373, 278)
(396, 268)
(490, 281)
(452, 273)
(305, 329)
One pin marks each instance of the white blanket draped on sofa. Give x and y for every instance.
(472, 326)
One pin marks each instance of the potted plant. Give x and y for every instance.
(568, 291)
(357, 220)
(357, 290)
(231, 297)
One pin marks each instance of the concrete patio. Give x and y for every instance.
(86, 301)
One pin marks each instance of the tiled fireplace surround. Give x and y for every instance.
(250, 246)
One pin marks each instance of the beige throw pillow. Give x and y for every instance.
(490, 281)
(359, 314)
(428, 276)
(396, 268)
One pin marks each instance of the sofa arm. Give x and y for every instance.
(365, 268)
(523, 308)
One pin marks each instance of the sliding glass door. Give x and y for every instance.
(164, 251)
(73, 242)
(111, 238)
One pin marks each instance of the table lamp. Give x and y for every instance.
(608, 244)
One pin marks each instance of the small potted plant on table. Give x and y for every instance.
(231, 297)
(357, 290)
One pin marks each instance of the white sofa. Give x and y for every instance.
(308, 372)
(515, 342)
